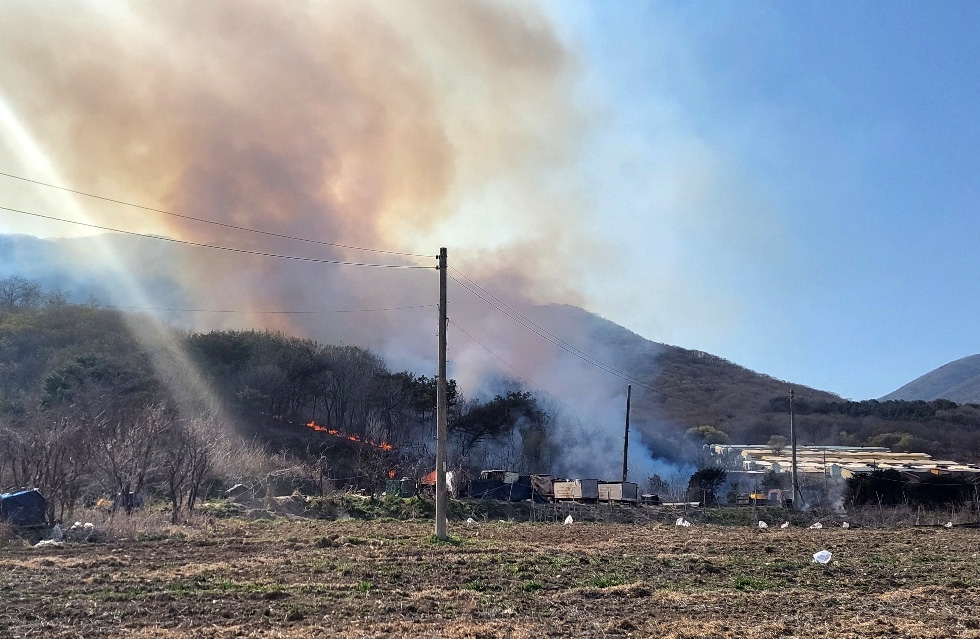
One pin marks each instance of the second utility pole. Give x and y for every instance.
(441, 409)
(626, 437)
(792, 443)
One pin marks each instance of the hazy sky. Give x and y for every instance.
(791, 186)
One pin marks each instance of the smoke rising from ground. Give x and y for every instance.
(398, 126)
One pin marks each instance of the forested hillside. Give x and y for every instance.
(699, 390)
(96, 402)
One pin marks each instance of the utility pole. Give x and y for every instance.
(441, 409)
(626, 437)
(792, 441)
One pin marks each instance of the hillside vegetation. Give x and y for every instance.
(96, 402)
(700, 389)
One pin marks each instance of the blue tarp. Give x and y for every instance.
(496, 489)
(25, 508)
(521, 489)
(488, 489)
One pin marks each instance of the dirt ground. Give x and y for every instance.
(285, 579)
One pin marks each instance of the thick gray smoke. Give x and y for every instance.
(402, 127)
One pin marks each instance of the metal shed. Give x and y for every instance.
(576, 489)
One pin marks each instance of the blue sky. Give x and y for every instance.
(794, 184)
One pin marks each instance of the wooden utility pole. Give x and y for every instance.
(792, 441)
(626, 437)
(441, 408)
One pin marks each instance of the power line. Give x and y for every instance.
(558, 342)
(579, 353)
(519, 374)
(206, 221)
(540, 332)
(208, 310)
(213, 246)
(519, 314)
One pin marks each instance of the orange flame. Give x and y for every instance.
(354, 438)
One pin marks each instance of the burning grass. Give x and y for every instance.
(301, 578)
(334, 432)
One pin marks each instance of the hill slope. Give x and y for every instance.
(957, 381)
(677, 389)
(674, 389)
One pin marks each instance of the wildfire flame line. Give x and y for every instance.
(333, 432)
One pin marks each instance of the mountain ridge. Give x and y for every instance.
(676, 390)
(957, 381)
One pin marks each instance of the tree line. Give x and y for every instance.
(941, 428)
(97, 403)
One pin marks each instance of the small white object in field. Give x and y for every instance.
(816, 525)
(56, 534)
(569, 520)
(785, 524)
(45, 543)
(845, 525)
(822, 557)
(470, 521)
(948, 524)
(763, 524)
(682, 522)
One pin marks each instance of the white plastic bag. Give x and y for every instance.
(682, 522)
(785, 524)
(845, 525)
(816, 526)
(763, 524)
(569, 520)
(470, 521)
(948, 524)
(49, 543)
(822, 557)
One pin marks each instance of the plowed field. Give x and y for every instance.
(375, 579)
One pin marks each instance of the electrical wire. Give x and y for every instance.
(570, 347)
(519, 374)
(214, 246)
(518, 313)
(207, 310)
(206, 221)
(558, 342)
(524, 378)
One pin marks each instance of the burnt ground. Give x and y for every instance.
(306, 578)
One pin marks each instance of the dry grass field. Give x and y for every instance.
(306, 578)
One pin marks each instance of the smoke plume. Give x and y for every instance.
(397, 126)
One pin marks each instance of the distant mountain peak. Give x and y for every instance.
(957, 381)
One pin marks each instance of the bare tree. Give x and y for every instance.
(128, 453)
(349, 385)
(47, 451)
(20, 292)
(196, 449)
(777, 443)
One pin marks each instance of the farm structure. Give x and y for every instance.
(625, 491)
(823, 470)
(504, 485)
(837, 462)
